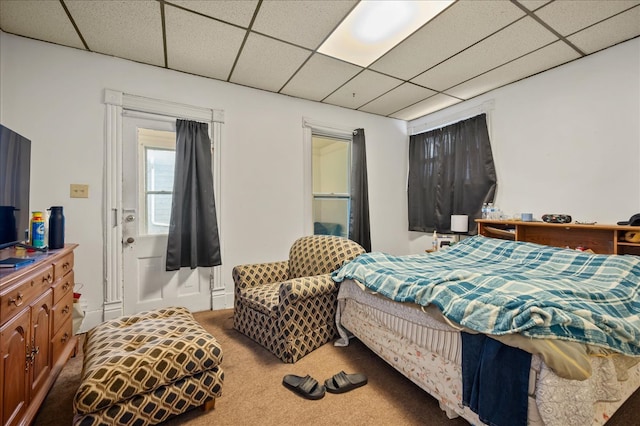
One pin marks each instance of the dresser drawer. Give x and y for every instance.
(60, 340)
(63, 266)
(62, 311)
(63, 286)
(20, 295)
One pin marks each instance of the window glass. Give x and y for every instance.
(157, 155)
(159, 165)
(331, 170)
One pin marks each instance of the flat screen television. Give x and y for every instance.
(15, 168)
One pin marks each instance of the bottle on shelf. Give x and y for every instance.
(37, 229)
(434, 241)
(484, 211)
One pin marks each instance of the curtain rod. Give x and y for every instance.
(427, 126)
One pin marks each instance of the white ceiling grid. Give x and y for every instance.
(468, 49)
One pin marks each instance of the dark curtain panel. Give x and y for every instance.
(359, 213)
(193, 229)
(451, 171)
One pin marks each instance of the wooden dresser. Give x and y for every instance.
(36, 337)
(602, 239)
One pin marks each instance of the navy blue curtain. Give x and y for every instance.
(193, 229)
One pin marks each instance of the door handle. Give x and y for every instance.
(130, 218)
(130, 240)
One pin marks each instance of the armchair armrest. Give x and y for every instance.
(254, 274)
(297, 289)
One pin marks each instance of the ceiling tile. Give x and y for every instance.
(200, 45)
(304, 23)
(39, 20)
(266, 63)
(533, 4)
(567, 17)
(237, 12)
(363, 88)
(320, 76)
(126, 29)
(396, 99)
(516, 40)
(462, 24)
(538, 61)
(433, 104)
(612, 31)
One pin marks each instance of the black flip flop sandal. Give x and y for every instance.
(306, 386)
(343, 382)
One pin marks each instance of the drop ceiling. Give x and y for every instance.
(470, 48)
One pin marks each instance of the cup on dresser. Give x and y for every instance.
(526, 217)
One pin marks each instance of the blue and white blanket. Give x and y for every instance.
(500, 287)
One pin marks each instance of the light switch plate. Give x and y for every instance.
(79, 191)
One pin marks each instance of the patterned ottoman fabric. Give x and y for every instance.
(144, 368)
(289, 306)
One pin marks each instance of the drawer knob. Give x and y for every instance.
(65, 337)
(16, 301)
(66, 309)
(66, 265)
(66, 286)
(47, 279)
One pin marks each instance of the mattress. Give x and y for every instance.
(424, 347)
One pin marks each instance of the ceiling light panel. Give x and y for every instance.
(266, 63)
(433, 104)
(548, 57)
(461, 25)
(397, 99)
(126, 29)
(374, 27)
(319, 77)
(516, 40)
(304, 23)
(567, 17)
(614, 30)
(362, 89)
(232, 11)
(201, 45)
(39, 20)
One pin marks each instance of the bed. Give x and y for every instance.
(569, 320)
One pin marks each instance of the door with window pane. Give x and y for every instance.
(330, 167)
(148, 158)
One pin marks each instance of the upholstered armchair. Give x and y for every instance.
(289, 307)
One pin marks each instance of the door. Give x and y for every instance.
(148, 154)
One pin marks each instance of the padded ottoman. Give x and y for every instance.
(143, 369)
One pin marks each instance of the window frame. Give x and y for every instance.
(310, 128)
(334, 195)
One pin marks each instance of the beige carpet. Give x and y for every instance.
(253, 393)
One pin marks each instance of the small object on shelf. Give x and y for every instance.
(556, 218)
(434, 242)
(15, 262)
(633, 221)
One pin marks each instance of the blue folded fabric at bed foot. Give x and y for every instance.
(495, 380)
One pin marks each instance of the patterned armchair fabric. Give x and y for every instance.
(289, 307)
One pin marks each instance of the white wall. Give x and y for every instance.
(566, 140)
(54, 96)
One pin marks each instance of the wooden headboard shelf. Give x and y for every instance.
(602, 239)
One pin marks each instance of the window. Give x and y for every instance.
(451, 171)
(157, 151)
(330, 165)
